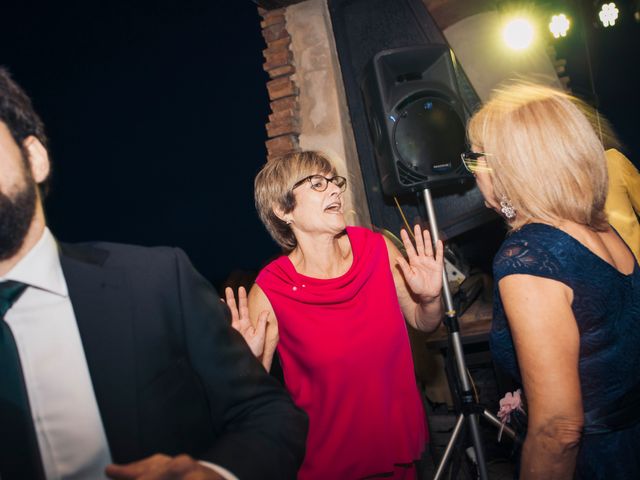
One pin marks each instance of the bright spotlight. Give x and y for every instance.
(559, 25)
(608, 14)
(518, 33)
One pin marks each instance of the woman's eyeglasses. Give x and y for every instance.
(474, 162)
(319, 183)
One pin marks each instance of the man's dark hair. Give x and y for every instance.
(17, 113)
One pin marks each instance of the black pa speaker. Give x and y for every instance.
(416, 118)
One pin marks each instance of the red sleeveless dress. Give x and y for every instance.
(344, 350)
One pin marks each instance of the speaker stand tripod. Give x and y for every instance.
(470, 409)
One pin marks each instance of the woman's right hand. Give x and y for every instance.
(255, 336)
(262, 338)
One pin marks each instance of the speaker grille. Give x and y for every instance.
(409, 177)
(429, 136)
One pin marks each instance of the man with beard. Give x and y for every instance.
(113, 353)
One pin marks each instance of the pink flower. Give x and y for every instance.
(509, 403)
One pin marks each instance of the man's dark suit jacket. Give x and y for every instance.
(169, 374)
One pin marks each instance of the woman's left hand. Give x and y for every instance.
(423, 271)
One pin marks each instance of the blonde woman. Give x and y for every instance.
(341, 295)
(567, 287)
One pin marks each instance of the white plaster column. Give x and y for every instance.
(324, 114)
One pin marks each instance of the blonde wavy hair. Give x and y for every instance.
(545, 156)
(273, 188)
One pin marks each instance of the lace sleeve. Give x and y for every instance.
(519, 256)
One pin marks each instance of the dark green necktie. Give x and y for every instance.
(19, 454)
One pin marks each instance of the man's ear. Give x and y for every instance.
(38, 158)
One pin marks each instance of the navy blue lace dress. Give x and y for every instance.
(606, 306)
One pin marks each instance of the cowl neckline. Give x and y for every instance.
(307, 289)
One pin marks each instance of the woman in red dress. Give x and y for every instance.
(335, 304)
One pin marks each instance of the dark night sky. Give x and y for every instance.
(156, 113)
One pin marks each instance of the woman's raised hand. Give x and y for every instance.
(254, 336)
(423, 271)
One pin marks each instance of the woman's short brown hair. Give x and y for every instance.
(545, 156)
(273, 188)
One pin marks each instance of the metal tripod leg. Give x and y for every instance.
(498, 424)
(472, 420)
(474, 427)
(450, 445)
(457, 429)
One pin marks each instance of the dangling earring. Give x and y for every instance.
(507, 209)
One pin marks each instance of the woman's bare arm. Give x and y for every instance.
(547, 344)
(259, 303)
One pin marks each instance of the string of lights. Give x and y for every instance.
(522, 25)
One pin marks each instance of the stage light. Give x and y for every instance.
(559, 25)
(608, 14)
(518, 33)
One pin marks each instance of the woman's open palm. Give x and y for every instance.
(254, 336)
(423, 271)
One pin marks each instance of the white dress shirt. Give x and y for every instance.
(71, 437)
(72, 441)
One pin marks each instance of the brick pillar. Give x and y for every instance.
(283, 127)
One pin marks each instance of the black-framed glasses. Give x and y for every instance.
(319, 183)
(474, 161)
